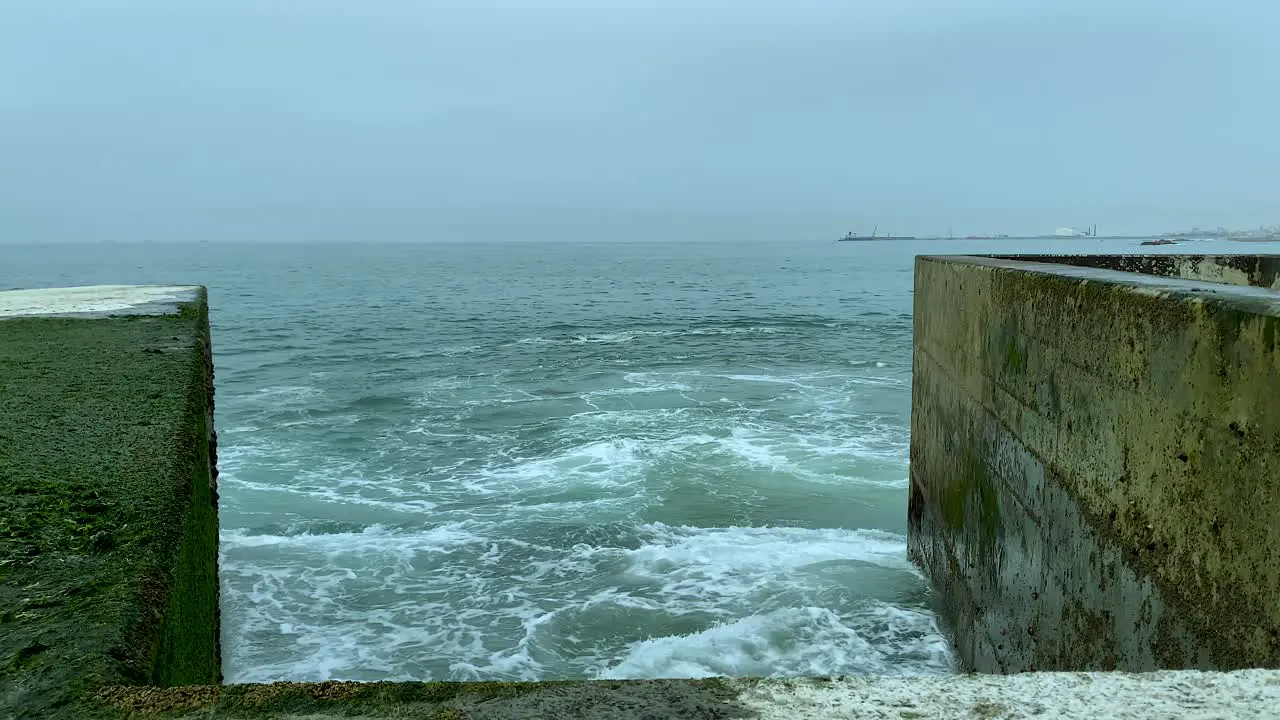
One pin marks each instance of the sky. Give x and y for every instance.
(391, 120)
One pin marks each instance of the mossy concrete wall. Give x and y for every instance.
(108, 499)
(1252, 270)
(1095, 461)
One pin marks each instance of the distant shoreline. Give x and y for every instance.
(1006, 237)
(1069, 237)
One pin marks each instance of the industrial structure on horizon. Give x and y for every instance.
(1091, 231)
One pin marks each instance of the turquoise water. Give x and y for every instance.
(446, 461)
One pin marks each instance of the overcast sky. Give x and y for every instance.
(395, 120)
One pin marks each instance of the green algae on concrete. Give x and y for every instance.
(1132, 455)
(1252, 270)
(657, 699)
(108, 516)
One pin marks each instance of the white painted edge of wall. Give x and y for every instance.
(1241, 694)
(96, 300)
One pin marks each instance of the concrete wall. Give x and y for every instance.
(1095, 463)
(108, 509)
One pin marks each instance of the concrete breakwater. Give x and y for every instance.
(108, 525)
(1095, 459)
(108, 501)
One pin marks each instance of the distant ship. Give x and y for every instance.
(850, 237)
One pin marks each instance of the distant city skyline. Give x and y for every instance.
(741, 120)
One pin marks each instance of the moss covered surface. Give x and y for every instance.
(1253, 270)
(1128, 429)
(970, 504)
(107, 525)
(656, 699)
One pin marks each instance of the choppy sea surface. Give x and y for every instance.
(558, 460)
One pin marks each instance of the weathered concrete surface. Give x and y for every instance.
(1240, 695)
(1095, 466)
(108, 515)
(97, 300)
(1252, 270)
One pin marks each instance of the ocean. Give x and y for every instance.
(558, 460)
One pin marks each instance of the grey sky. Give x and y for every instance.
(394, 120)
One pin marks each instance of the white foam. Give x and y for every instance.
(652, 382)
(333, 482)
(443, 351)
(498, 550)
(762, 379)
(336, 497)
(286, 395)
(816, 457)
(602, 464)
(626, 336)
(716, 554)
(372, 539)
(656, 419)
(446, 602)
(804, 641)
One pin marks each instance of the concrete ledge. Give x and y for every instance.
(1238, 695)
(108, 515)
(1250, 270)
(1094, 464)
(99, 300)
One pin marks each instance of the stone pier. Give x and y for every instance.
(108, 517)
(108, 502)
(1095, 459)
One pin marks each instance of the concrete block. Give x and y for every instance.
(108, 497)
(1095, 460)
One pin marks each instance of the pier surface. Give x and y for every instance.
(108, 517)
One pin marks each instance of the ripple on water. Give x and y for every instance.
(541, 471)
